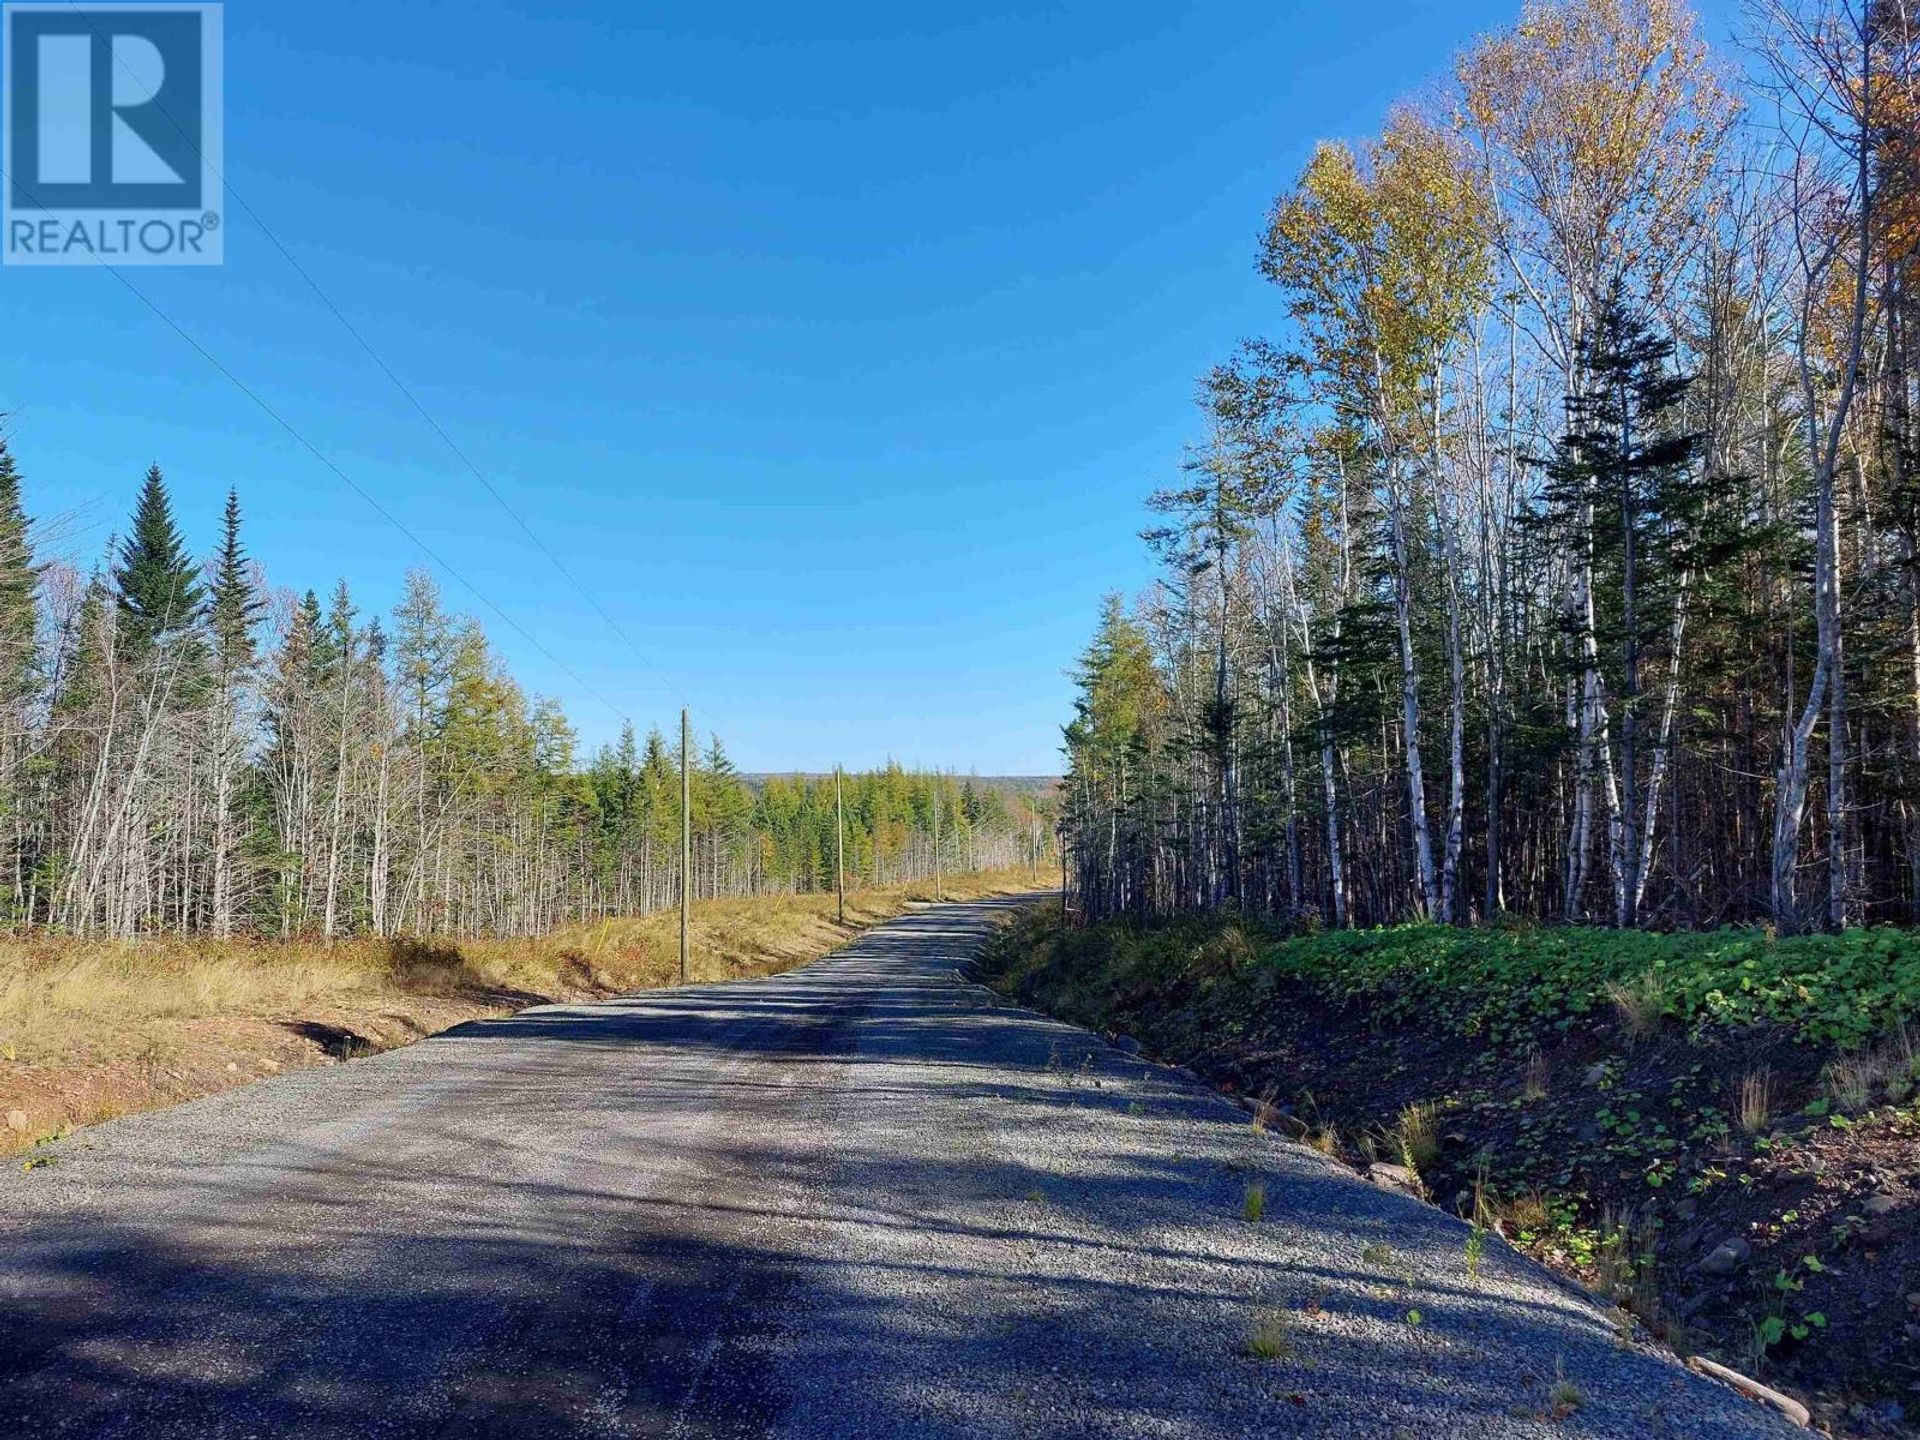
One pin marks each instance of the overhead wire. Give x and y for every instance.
(393, 377)
(314, 450)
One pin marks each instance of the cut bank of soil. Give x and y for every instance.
(1619, 1160)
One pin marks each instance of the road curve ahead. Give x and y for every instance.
(860, 1199)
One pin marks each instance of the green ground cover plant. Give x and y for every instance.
(1713, 1131)
(1500, 984)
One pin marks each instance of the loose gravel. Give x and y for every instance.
(863, 1199)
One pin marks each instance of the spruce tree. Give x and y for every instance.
(374, 643)
(314, 650)
(233, 607)
(81, 677)
(336, 643)
(17, 583)
(626, 776)
(157, 583)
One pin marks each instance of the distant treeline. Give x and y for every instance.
(185, 750)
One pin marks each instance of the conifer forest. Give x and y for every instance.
(188, 750)
(1556, 553)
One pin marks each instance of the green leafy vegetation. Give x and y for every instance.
(1699, 1156)
(1844, 988)
(1501, 984)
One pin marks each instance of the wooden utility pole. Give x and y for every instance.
(839, 846)
(686, 835)
(936, 837)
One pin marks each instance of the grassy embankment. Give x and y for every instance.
(94, 1029)
(1718, 1131)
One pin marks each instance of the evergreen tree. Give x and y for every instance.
(1625, 485)
(18, 579)
(727, 807)
(20, 767)
(233, 611)
(308, 640)
(233, 607)
(337, 649)
(157, 584)
(660, 794)
(81, 676)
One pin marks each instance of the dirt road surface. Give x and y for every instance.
(863, 1199)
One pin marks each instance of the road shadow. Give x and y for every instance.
(857, 1199)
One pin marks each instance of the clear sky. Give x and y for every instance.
(833, 347)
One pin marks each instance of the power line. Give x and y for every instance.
(459, 454)
(346, 479)
(399, 384)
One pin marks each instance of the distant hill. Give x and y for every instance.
(1008, 784)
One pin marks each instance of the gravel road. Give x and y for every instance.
(861, 1199)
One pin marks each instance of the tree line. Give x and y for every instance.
(1558, 554)
(184, 749)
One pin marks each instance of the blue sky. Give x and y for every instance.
(832, 347)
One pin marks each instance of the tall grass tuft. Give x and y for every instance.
(1753, 1100)
(1640, 1004)
(1534, 1076)
(1416, 1135)
(1849, 1080)
(1253, 1203)
(1271, 1336)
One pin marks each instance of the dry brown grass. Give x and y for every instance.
(1525, 1212)
(1416, 1135)
(1852, 1080)
(92, 1029)
(1535, 1076)
(1849, 1080)
(1640, 1005)
(1753, 1101)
